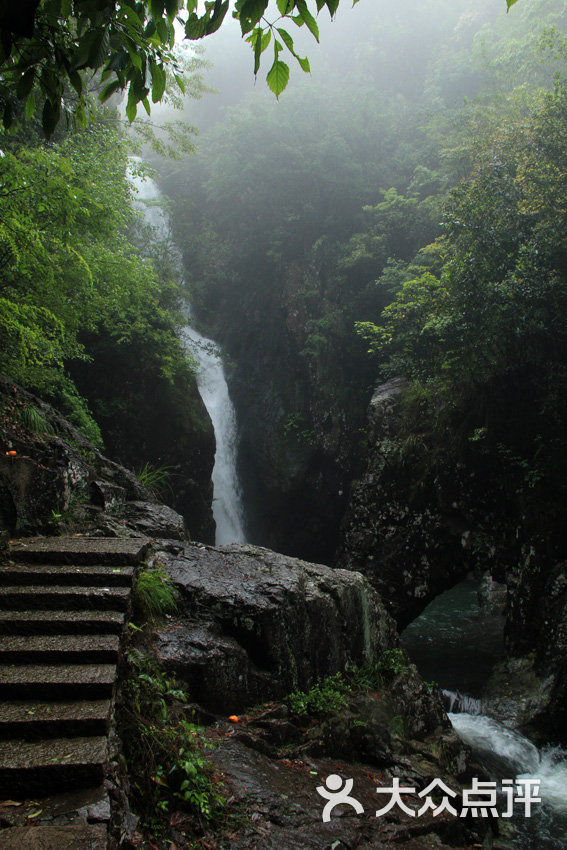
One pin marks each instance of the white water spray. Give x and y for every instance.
(227, 499)
(509, 754)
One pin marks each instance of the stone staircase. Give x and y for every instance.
(63, 605)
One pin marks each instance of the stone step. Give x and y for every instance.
(55, 836)
(61, 622)
(35, 649)
(36, 768)
(39, 597)
(92, 575)
(80, 550)
(32, 719)
(56, 681)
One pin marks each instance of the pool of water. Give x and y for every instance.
(454, 643)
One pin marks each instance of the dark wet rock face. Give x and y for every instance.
(405, 536)
(58, 481)
(254, 624)
(423, 515)
(272, 764)
(57, 477)
(536, 637)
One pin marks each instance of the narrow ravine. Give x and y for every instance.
(456, 644)
(228, 509)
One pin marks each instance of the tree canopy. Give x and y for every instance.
(53, 53)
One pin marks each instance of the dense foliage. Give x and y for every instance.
(301, 221)
(76, 287)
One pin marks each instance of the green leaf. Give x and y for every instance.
(307, 17)
(287, 39)
(250, 13)
(171, 8)
(278, 77)
(109, 90)
(30, 106)
(75, 80)
(135, 59)
(510, 3)
(146, 105)
(285, 6)
(131, 110)
(158, 82)
(25, 83)
(180, 83)
(50, 116)
(195, 27)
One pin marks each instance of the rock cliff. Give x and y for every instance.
(422, 516)
(52, 479)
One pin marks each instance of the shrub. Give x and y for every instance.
(163, 750)
(327, 697)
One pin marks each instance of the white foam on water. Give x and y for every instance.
(489, 737)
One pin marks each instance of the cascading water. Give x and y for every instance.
(227, 499)
(456, 644)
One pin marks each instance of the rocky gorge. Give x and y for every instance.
(419, 521)
(251, 627)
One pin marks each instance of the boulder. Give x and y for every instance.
(254, 625)
(403, 534)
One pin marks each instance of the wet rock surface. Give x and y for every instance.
(423, 515)
(272, 764)
(402, 535)
(536, 635)
(56, 481)
(254, 624)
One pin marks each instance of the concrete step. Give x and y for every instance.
(56, 681)
(61, 622)
(41, 597)
(35, 649)
(92, 575)
(31, 720)
(37, 768)
(112, 551)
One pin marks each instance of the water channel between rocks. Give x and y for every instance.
(456, 644)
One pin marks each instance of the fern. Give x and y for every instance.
(34, 420)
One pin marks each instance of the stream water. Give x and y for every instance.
(227, 497)
(455, 644)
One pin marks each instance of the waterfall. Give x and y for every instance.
(227, 499)
(455, 701)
